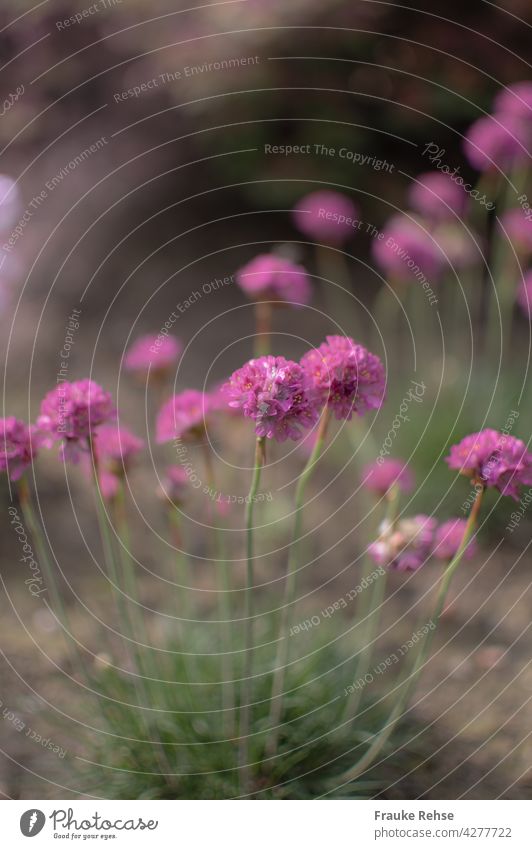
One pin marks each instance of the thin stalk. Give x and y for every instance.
(373, 614)
(224, 610)
(410, 681)
(276, 705)
(26, 506)
(263, 327)
(334, 269)
(246, 694)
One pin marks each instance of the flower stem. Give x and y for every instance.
(246, 694)
(263, 327)
(276, 705)
(224, 614)
(30, 518)
(410, 680)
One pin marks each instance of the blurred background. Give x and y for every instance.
(148, 145)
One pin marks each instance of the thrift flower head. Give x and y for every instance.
(17, 447)
(276, 394)
(183, 416)
(405, 546)
(448, 538)
(380, 477)
(158, 352)
(496, 141)
(346, 376)
(516, 100)
(72, 412)
(405, 249)
(524, 294)
(276, 278)
(326, 216)
(174, 484)
(115, 448)
(437, 196)
(518, 229)
(493, 459)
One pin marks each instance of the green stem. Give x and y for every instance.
(246, 694)
(410, 681)
(263, 327)
(224, 610)
(281, 662)
(33, 525)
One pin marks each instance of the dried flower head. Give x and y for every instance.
(405, 546)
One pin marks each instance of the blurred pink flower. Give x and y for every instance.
(404, 250)
(174, 484)
(493, 459)
(380, 477)
(448, 538)
(275, 393)
(516, 100)
(18, 447)
(326, 216)
(497, 141)
(437, 196)
(346, 376)
(275, 278)
(71, 412)
(183, 416)
(406, 546)
(158, 352)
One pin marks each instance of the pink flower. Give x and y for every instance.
(158, 352)
(175, 484)
(406, 546)
(497, 141)
(115, 449)
(404, 250)
(275, 393)
(326, 216)
(381, 477)
(437, 196)
(448, 538)
(516, 100)
(518, 229)
(524, 294)
(276, 278)
(183, 416)
(18, 447)
(493, 459)
(346, 376)
(71, 412)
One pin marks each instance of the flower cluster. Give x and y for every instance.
(448, 539)
(18, 447)
(346, 376)
(493, 459)
(277, 394)
(273, 277)
(183, 416)
(71, 412)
